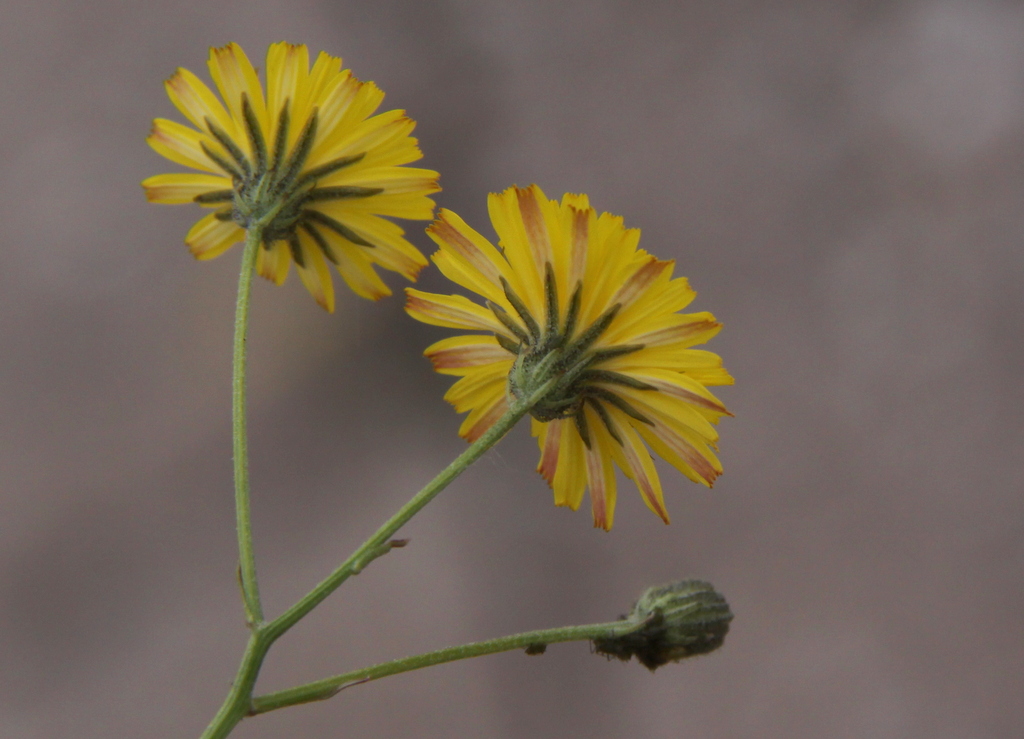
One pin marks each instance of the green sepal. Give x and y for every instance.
(342, 192)
(337, 226)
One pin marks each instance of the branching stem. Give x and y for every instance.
(239, 701)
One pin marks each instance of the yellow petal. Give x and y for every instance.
(325, 73)
(390, 248)
(234, 75)
(668, 357)
(273, 263)
(680, 330)
(343, 104)
(314, 273)
(352, 132)
(549, 438)
(385, 138)
(582, 221)
(711, 376)
(523, 275)
(570, 481)
(600, 472)
(533, 207)
(182, 188)
(478, 388)
(482, 418)
(639, 466)
(211, 237)
(669, 409)
(180, 144)
(454, 355)
(451, 311)
(356, 268)
(287, 76)
(683, 387)
(612, 258)
(414, 205)
(393, 180)
(194, 99)
(634, 296)
(684, 451)
(466, 257)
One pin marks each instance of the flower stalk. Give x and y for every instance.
(243, 514)
(534, 642)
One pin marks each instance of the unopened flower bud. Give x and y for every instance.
(678, 620)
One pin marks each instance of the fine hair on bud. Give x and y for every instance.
(676, 621)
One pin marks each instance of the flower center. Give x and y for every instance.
(271, 188)
(553, 352)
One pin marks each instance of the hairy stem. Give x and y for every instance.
(243, 515)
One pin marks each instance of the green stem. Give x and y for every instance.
(243, 516)
(378, 543)
(238, 703)
(533, 640)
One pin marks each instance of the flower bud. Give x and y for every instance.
(676, 621)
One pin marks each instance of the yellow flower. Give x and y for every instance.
(309, 161)
(570, 296)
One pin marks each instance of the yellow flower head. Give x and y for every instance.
(309, 161)
(570, 296)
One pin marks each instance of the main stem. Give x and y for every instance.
(243, 515)
(238, 703)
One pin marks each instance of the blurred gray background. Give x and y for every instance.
(841, 181)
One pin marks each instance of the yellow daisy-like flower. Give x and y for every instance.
(309, 161)
(570, 296)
